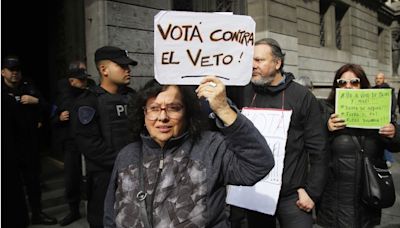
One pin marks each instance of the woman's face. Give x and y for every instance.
(349, 80)
(165, 115)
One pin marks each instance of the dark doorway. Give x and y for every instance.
(46, 36)
(24, 33)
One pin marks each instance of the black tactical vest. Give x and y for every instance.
(113, 118)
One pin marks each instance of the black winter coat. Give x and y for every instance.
(189, 189)
(340, 204)
(27, 117)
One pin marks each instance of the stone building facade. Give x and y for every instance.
(318, 36)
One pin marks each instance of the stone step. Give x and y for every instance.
(52, 184)
(60, 212)
(51, 168)
(53, 198)
(53, 188)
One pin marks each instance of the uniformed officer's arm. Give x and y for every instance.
(29, 99)
(88, 135)
(32, 96)
(59, 118)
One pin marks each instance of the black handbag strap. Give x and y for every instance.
(142, 194)
(359, 146)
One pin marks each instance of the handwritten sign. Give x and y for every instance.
(263, 197)
(191, 45)
(364, 108)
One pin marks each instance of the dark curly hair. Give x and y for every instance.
(194, 116)
(357, 70)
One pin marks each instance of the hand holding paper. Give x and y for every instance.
(388, 130)
(212, 89)
(336, 123)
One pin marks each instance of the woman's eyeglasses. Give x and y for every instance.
(353, 82)
(173, 111)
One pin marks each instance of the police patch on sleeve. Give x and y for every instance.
(86, 114)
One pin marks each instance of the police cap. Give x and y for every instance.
(11, 63)
(79, 73)
(114, 54)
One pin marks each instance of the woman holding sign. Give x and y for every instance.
(175, 174)
(341, 204)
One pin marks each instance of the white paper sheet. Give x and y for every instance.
(191, 45)
(263, 196)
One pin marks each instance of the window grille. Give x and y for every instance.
(321, 30)
(184, 5)
(224, 6)
(338, 35)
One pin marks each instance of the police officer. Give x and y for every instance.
(29, 113)
(69, 90)
(101, 125)
(16, 211)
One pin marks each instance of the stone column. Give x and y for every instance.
(395, 47)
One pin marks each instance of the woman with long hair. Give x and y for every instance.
(341, 204)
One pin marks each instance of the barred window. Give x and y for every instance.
(332, 24)
(340, 11)
(338, 35)
(224, 6)
(235, 6)
(381, 45)
(184, 5)
(323, 8)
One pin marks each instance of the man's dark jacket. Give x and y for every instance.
(305, 164)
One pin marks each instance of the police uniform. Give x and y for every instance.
(67, 96)
(101, 131)
(27, 154)
(15, 202)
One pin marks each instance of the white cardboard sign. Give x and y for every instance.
(191, 45)
(263, 197)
